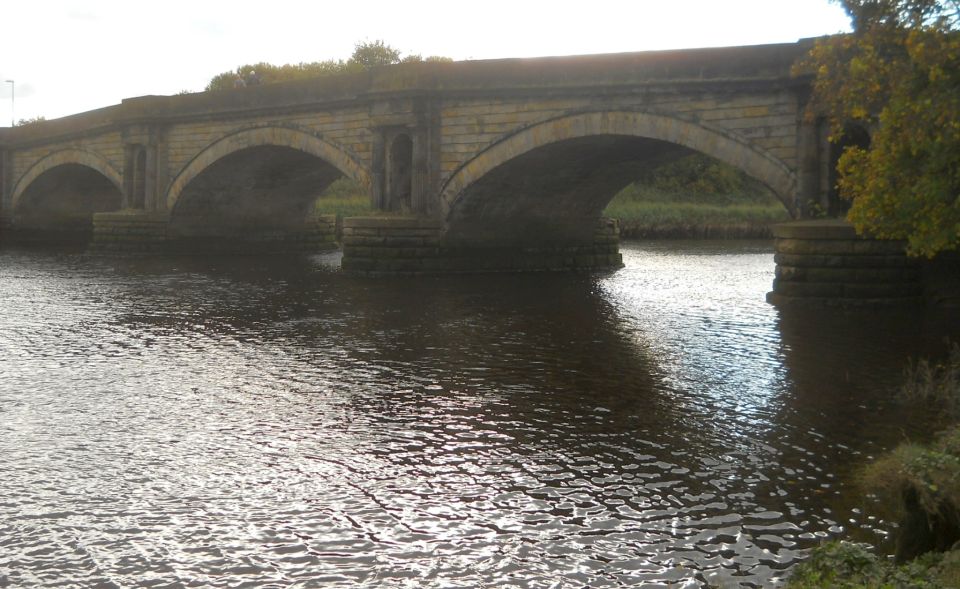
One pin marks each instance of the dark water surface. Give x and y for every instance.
(266, 423)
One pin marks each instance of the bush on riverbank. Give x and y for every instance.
(921, 487)
(921, 484)
(844, 565)
(917, 485)
(938, 383)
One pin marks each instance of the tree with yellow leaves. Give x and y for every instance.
(898, 76)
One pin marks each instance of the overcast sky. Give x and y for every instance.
(70, 56)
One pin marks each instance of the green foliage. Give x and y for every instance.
(898, 74)
(837, 564)
(30, 121)
(680, 214)
(932, 473)
(346, 198)
(843, 565)
(365, 55)
(937, 382)
(270, 73)
(417, 58)
(697, 178)
(695, 196)
(916, 484)
(373, 54)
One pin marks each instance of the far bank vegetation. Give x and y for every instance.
(692, 197)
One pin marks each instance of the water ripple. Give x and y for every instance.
(233, 423)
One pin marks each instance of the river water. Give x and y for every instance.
(247, 422)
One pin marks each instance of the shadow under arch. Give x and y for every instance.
(63, 157)
(55, 200)
(266, 136)
(588, 151)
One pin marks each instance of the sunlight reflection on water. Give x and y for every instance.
(221, 423)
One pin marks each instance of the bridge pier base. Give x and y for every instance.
(406, 246)
(145, 232)
(825, 263)
(6, 226)
(129, 232)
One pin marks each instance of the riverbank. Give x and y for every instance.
(639, 219)
(661, 220)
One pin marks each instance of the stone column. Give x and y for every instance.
(6, 191)
(162, 175)
(421, 180)
(129, 172)
(809, 167)
(378, 162)
(150, 179)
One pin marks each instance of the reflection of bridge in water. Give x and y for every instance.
(486, 156)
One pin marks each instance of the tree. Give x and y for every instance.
(373, 54)
(898, 76)
(30, 121)
(365, 56)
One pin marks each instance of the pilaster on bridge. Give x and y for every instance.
(401, 156)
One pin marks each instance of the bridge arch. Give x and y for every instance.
(702, 137)
(266, 136)
(64, 157)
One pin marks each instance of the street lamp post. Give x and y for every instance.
(12, 95)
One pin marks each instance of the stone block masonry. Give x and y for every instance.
(824, 262)
(139, 232)
(378, 246)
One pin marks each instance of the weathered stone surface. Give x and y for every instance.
(138, 232)
(388, 249)
(819, 229)
(501, 152)
(840, 261)
(825, 261)
(847, 274)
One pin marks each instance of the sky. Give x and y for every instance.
(70, 56)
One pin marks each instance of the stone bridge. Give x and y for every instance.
(481, 159)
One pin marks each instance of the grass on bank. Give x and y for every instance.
(679, 213)
(660, 209)
(641, 210)
(344, 198)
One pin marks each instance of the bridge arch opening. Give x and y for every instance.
(57, 202)
(261, 193)
(549, 183)
(257, 187)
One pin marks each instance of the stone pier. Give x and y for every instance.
(824, 262)
(403, 246)
(144, 232)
